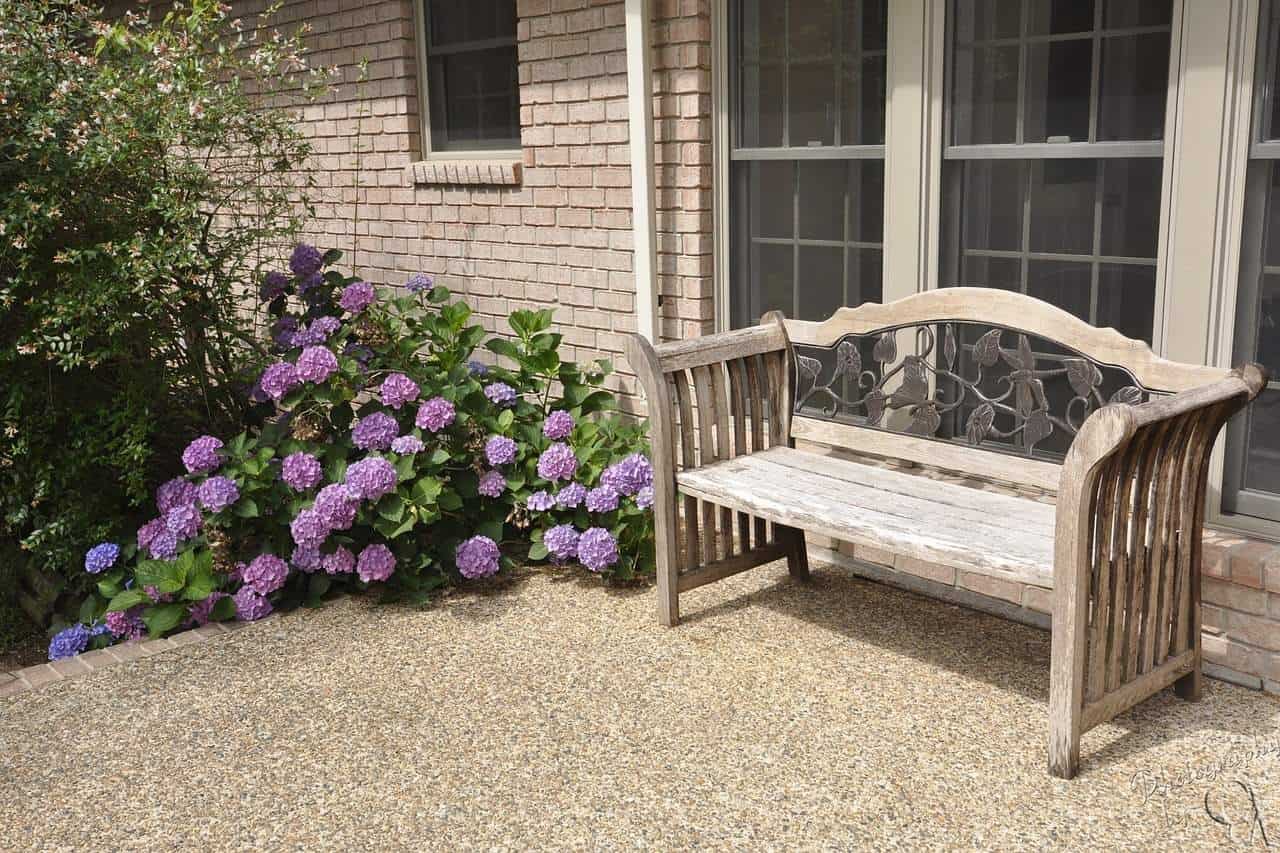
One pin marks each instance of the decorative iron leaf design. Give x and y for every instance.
(925, 420)
(875, 402)
(949, 347)
(1038, 427)
(915, 383)
(1130, 394)
(1029, 393)
(848, 359)
(809, 367)
(1084, 376)
(987, 350)
(1023, 358)
(886, 348)
(979, 423)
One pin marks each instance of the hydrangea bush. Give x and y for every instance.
(391, 458)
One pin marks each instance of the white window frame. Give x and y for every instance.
(426, 152)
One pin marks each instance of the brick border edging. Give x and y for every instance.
(15, 682)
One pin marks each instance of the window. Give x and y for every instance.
(807, 120)
(470, 89)
(1252, 477)
(1054, 146)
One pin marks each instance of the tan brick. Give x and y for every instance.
(1255, 630)
(97, 659)
(1225, 651)
(1247, 562)
(992, 587)
(1233, 596)
(39, 675)
(872, 554)
(12, 688)
(924, 569)
(70, 666)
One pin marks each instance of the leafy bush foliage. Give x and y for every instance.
(140, 179)
(388, 456)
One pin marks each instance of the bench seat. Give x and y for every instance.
(966, 528)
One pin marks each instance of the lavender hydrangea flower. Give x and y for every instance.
(540, 501)
(182, 521)
(375, 431)
(101, 557)
(500, 394)
(571, 496)
(435, 414)
(274, 285)
(407, 445)
(557, 462)
(316, 364)
(305, 259)
(218, 493)
(500, 450)
(644, 497)
(69, 642)
(337, 506)
(602, 499)
(126, 624)
(419, 282)
(477, 368)
(201, 455)
(308, 336)
(266, 573)
(310, 282)
(305, 558)
(561, 542)
(283, 330)
(558, 425)
(278, 379)
(477, 557)
(597, 549)
(157, 540)
(357, 296)
(300, 471)
(371, 478)
(492, 484)
(376, 563)
(325, 326)
(250, 605)
(309, 527)
(629, 475)
(340, 562)
(176, 492)
(202, 611)
(398, 389)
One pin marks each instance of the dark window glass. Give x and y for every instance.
(472, 85)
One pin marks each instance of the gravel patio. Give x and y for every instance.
(552, 713)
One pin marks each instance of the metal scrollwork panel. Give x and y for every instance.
(996, 388)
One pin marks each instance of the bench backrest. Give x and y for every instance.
(986, 382)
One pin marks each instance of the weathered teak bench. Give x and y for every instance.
(985, 383)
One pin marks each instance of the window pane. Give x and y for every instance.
(772, 198)
(985, 96)
(975, 20)
(474, 98)
(774, 279)
(1126, 298)
(454, 21)
(863, 102)
(1137, 13)
(761, 109)
(1057, 105)
(866, 276)
(992, 204)
(980, 271)
(1267, 342)
(866, 201)
(1054, 17)
(1061, 283)
(811, 28)
(820, 284)
(1062, 202)
(811, 100)
(1130, 192)
(1271, 244)
(822, 191)
(1134, 87)
(1262, 461)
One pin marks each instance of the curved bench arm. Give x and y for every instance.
(1130, 516)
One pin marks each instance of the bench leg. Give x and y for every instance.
(1188, 687)
(797, 556)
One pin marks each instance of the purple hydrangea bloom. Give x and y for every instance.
(557, 462)
(201, 455)
(176, 492)
(571, 496)
(337, 506)
(500, 394)
(340, 562)
(602, 499)
(316, 364)
(300, 471)
(540, 501)
(155, 538)
(101, 557)
(376, 563)
(371, 478)
(644, 497)
(201, 611)
(310, 282)
(477, 368)
(357, 296)
(398, 389)
(309, 527)
(278, 379)
(158, 597)
(273, 285)
(629, 475)
(126, 624)
(597, 549)
(492, 484)
(69, 642)
(477, 557)
(375, 431)
(305, 259)
(266, 573)
(306, 558)
(558, 425)
(283, 330)
(307, 336)
(435, 414)
(325, 326)
(250, 605)
(183, 521)
(419, 282)
(218, 493)
(500, 450)
(561, 542)
(407, 445)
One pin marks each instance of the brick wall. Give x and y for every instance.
(559, 237)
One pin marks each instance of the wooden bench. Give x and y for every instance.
(985, 383)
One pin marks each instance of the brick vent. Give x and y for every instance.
(465, 172)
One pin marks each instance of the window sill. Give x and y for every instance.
(481, 171)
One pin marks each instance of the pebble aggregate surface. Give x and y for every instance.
(547, 712)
